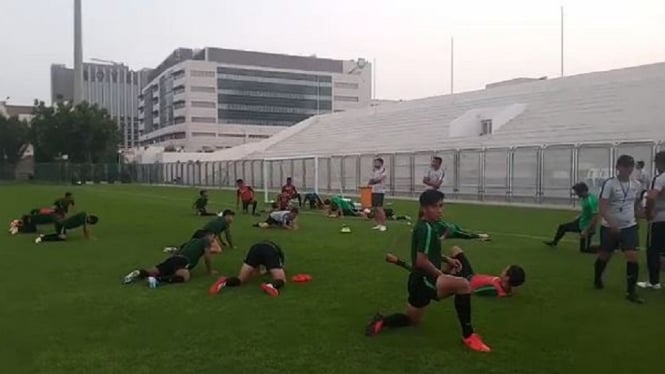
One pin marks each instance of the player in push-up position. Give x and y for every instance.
(77, 220)
(263, 254)
(500, 285)
(177, 267)
(285, 219)
(427, 282)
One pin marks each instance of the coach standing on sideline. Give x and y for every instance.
(378, 183)
(619, 205)
(433, 179)
(655, 213)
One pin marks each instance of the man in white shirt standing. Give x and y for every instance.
(641, 175)
(378, 183)
(619, 207)
(433, 179)
(655, 212)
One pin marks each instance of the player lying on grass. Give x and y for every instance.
(77, 220)
(338, 206)
(427, 282)
(178, 267)
(200, 204)
(263, 254)
(285, 219)
(29, 222)
(452, 231)
(245, 193)
(481, 284)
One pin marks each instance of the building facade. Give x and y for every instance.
(114, 87)
(216, 98)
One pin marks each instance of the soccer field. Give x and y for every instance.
(63, 309)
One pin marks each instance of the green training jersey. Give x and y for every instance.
(201, 203)
(425, 239)
(193, 250)
(72, 222)
(342, 203)
(63, 204)
(217, 225)
(441, 227)
(589, 205)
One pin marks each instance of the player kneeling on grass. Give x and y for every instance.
(263, 254)
(81, 219)
(285, 219)
(177, 267)
(201, 203)
(427, 282)
(501, 285)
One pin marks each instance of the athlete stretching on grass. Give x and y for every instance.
(29, 222)
(427, 282)
(200, 204)
(481, 284)
(285, 219)
(266, 254)
(77, 220)
(245, 193)
(177, 267)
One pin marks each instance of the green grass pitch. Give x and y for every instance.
(63, 309)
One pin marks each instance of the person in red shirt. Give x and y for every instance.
(283, 201)
(290, 190)
(245, 193)
(481, 284)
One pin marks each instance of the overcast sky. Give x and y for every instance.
(410, 39)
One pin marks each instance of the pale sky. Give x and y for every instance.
(410, 39)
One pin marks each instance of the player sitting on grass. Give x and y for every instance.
(201, 203)
(62, 204)
(263, 254)
(177, 267)
(481, 284)
(77, 220)
(452, 231)
(427, 282)
(285, 219)
(291, 192)
(245, 193)
(29, 222)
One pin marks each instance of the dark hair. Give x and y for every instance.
(379, 159)
(640, 164)
(239, 181)
(431, 197)
(92, 219)
(580, 187)
(437, 158)
(516, 276)
(68, 194)
(228, 212)
(202, 192)
(625, 161)
(289, 179)
(660, 160)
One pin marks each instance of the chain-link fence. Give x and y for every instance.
(534, 175)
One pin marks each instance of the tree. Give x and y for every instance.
(13, 136)
(85, 133)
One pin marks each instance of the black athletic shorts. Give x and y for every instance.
(265, 254)
(422, 290)
(467, 270)
(273, 222)
(172, 264)
(656, 237)
(377, 200)
(627, 239)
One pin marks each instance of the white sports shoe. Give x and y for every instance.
(170, 249)
(377, 227)
(13, 230)
(131, 277)
(383, 228)
(38, 239)
(656, 286)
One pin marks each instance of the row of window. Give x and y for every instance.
(106, 75)
(275, 102)
(202, 73)
(350, 99)
(271, 94)
(204, 119)
(205, 89)
(232, 84)
(268, 109)
(353, 86)
(195, 104)
(232, 116)
(255, 122)
(274, 80)
(274, 74)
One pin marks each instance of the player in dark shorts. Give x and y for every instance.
(265, 254)
(177, 268)
(291, 192)
(245, 193)
(63, 204)
(200, 204)
(77, 220)
(501, 285)
(29, 222)
(219, 225)
(427, 282)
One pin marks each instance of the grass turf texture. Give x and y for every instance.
(63, 309)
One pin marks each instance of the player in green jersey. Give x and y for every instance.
(75, 221)
(427, 282)
(201, 203)
(585, 223)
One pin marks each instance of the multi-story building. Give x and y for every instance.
(114, 87)
(213, 98)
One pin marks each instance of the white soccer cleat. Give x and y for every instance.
(377, 227)
(170, 249)
(383, 228)
(153, 282)
(131, 277)
(647, 285)
(13, 230)
(38, 239)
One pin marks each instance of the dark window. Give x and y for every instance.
(85, 75)
(274, 101)
(261, 116)
(275, 87)
(274, 74)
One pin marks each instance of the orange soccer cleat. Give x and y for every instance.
(270, 289)
(475, 342)
(217, 286)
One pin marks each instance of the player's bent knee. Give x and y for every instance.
(184, 274)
